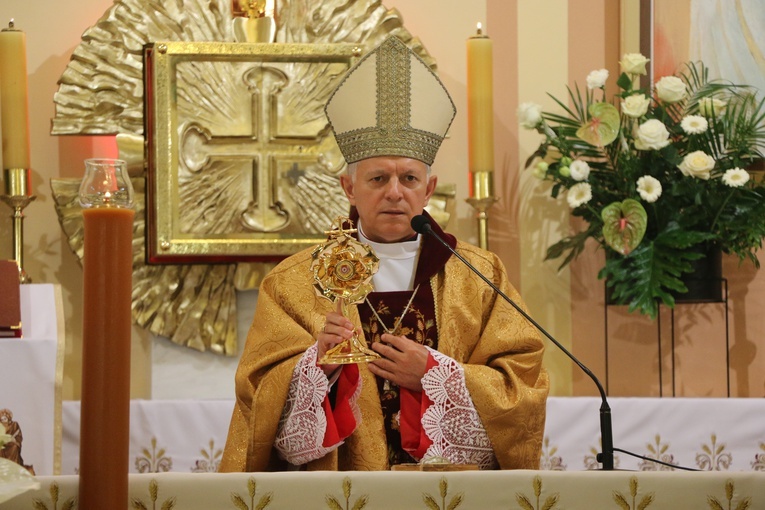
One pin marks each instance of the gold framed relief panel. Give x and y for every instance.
(242, 164)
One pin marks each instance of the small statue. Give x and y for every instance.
(11, 450)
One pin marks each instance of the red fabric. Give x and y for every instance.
(340, 421)
(413, 406)
(331, 436)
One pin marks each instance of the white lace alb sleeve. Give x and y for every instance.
(303, 422)
(452, 422)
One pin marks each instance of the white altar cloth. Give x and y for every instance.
(707, 434)
(31, 376)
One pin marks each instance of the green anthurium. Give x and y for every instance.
(603, 126)
(624, 225)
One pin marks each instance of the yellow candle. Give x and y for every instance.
(14, 100)
(480, 103)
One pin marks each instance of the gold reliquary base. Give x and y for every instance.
(349, 352)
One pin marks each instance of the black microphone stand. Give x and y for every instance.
(606, 457)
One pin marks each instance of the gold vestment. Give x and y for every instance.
(499, 350)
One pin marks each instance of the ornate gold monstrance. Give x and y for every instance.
(220, 192)
(342, 269)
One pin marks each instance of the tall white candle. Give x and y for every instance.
(14, 98)
(480, 102)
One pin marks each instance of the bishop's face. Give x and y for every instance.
(388, 192)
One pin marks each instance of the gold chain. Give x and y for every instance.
(401, 317)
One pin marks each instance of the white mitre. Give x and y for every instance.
(390, 104)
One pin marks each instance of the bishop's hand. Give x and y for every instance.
(403, 361)
(337, 329)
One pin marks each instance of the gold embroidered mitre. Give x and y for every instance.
(390, 104)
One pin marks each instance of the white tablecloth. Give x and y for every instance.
(476, 490)
(707, 434)
(30, 376)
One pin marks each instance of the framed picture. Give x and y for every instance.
(241, 164)
(723, 35)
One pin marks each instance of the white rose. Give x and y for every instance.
(712, 106)
(597, 79)
(580, 170)
(735, 177)
(694, 124)
(636, 105)
(633, 63)
(649, 188)
(529, 115)
(671, 89)
(697, 164)
(651, 135)
(579, 194)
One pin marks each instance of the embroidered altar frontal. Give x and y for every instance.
(187, 436)
(465, 490)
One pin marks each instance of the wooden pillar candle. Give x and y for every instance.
(106, 195)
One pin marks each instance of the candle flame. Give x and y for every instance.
(479, 28)
(11, 23)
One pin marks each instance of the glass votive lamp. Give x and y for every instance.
(106, 183)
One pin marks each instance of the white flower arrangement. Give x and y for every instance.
(659, 175)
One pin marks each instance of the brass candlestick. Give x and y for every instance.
(17, 197)
(482, 198)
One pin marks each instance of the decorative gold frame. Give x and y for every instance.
(166, 241)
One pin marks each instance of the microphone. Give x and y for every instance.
(421, 225)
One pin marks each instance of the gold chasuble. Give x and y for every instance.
(500, 352)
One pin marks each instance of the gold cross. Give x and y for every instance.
(339, 230)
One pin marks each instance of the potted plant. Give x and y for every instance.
(660, 176)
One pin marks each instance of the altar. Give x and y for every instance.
(176, 447)
(463, 490)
